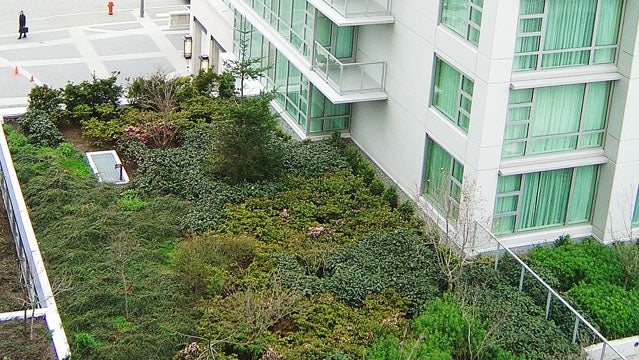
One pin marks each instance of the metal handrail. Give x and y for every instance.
(551, 293)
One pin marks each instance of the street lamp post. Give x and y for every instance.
(141, 8)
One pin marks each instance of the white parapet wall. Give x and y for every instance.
(628, 347)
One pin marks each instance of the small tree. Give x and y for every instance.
(245, 147)
(244, 68)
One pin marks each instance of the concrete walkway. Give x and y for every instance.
(78, 39)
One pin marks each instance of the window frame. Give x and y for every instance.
(461, 94)
(580, 134)
(540, 52)
(470, 27)
(519, 193)
(453, 182)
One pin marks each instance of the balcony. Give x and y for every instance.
(355, 12)
(348, 78)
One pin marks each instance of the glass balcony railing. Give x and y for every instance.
(360, 8)
(348, 78)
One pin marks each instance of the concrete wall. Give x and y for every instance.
(394, 132)
(619, 178)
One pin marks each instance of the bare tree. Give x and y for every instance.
(123, 245)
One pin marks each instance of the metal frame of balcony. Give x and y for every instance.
(346, 78)
(317, 78)
(355, 12)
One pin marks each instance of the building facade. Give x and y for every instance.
(527, 104)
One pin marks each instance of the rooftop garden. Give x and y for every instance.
(234, 241)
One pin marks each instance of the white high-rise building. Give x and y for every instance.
(533, 102)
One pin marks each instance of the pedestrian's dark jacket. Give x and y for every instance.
(22, 21)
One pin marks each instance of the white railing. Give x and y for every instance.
(484, 237)
(360, 8)
(348, 78)
(34, 274)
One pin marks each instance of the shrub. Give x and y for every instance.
(588, 261)
(377, 186)
(129, 201)
(613, 308)
(325, 327)
(398, 260)
(39, 129)
(102, 132)
(203, 260)
(391, 197)
(94, 93)
(48, 100)
(132, 149)
(310, 160)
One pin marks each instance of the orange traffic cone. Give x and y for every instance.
(15, 71)
(31, 80)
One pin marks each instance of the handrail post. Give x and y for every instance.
(497, 256)
(575, 330)
(521, 279)
(603, 351)
(548, 303)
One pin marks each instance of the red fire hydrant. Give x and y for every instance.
(110, 6)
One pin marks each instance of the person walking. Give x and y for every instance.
(22, 25)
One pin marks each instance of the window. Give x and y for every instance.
(635, 214)
(557, 118)
(443, 179)
(559, 33)
(452, 94)
(544, 199)
(301, 100)
(338, 40)
(463, 17)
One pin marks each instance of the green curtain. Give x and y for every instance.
(557, 111)
(595, 113)
(323, 30)
(608, 30)
(527, 44)
(583, 193)
(635, 214)
(529, 7)
(570, 25)
(446, 92)
(545, 199)
(455, 15)
(344, 42)
(438, 166)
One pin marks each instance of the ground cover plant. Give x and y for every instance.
(311, 258)
(599, 279)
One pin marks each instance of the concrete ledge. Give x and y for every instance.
(179, 20)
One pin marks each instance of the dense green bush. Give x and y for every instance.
(586, 261)
(310, 160)
(612, 308)
(39, 129)
(93, 93)
(48, 100)
(398, 260)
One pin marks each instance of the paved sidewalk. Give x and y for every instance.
(78, 39)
